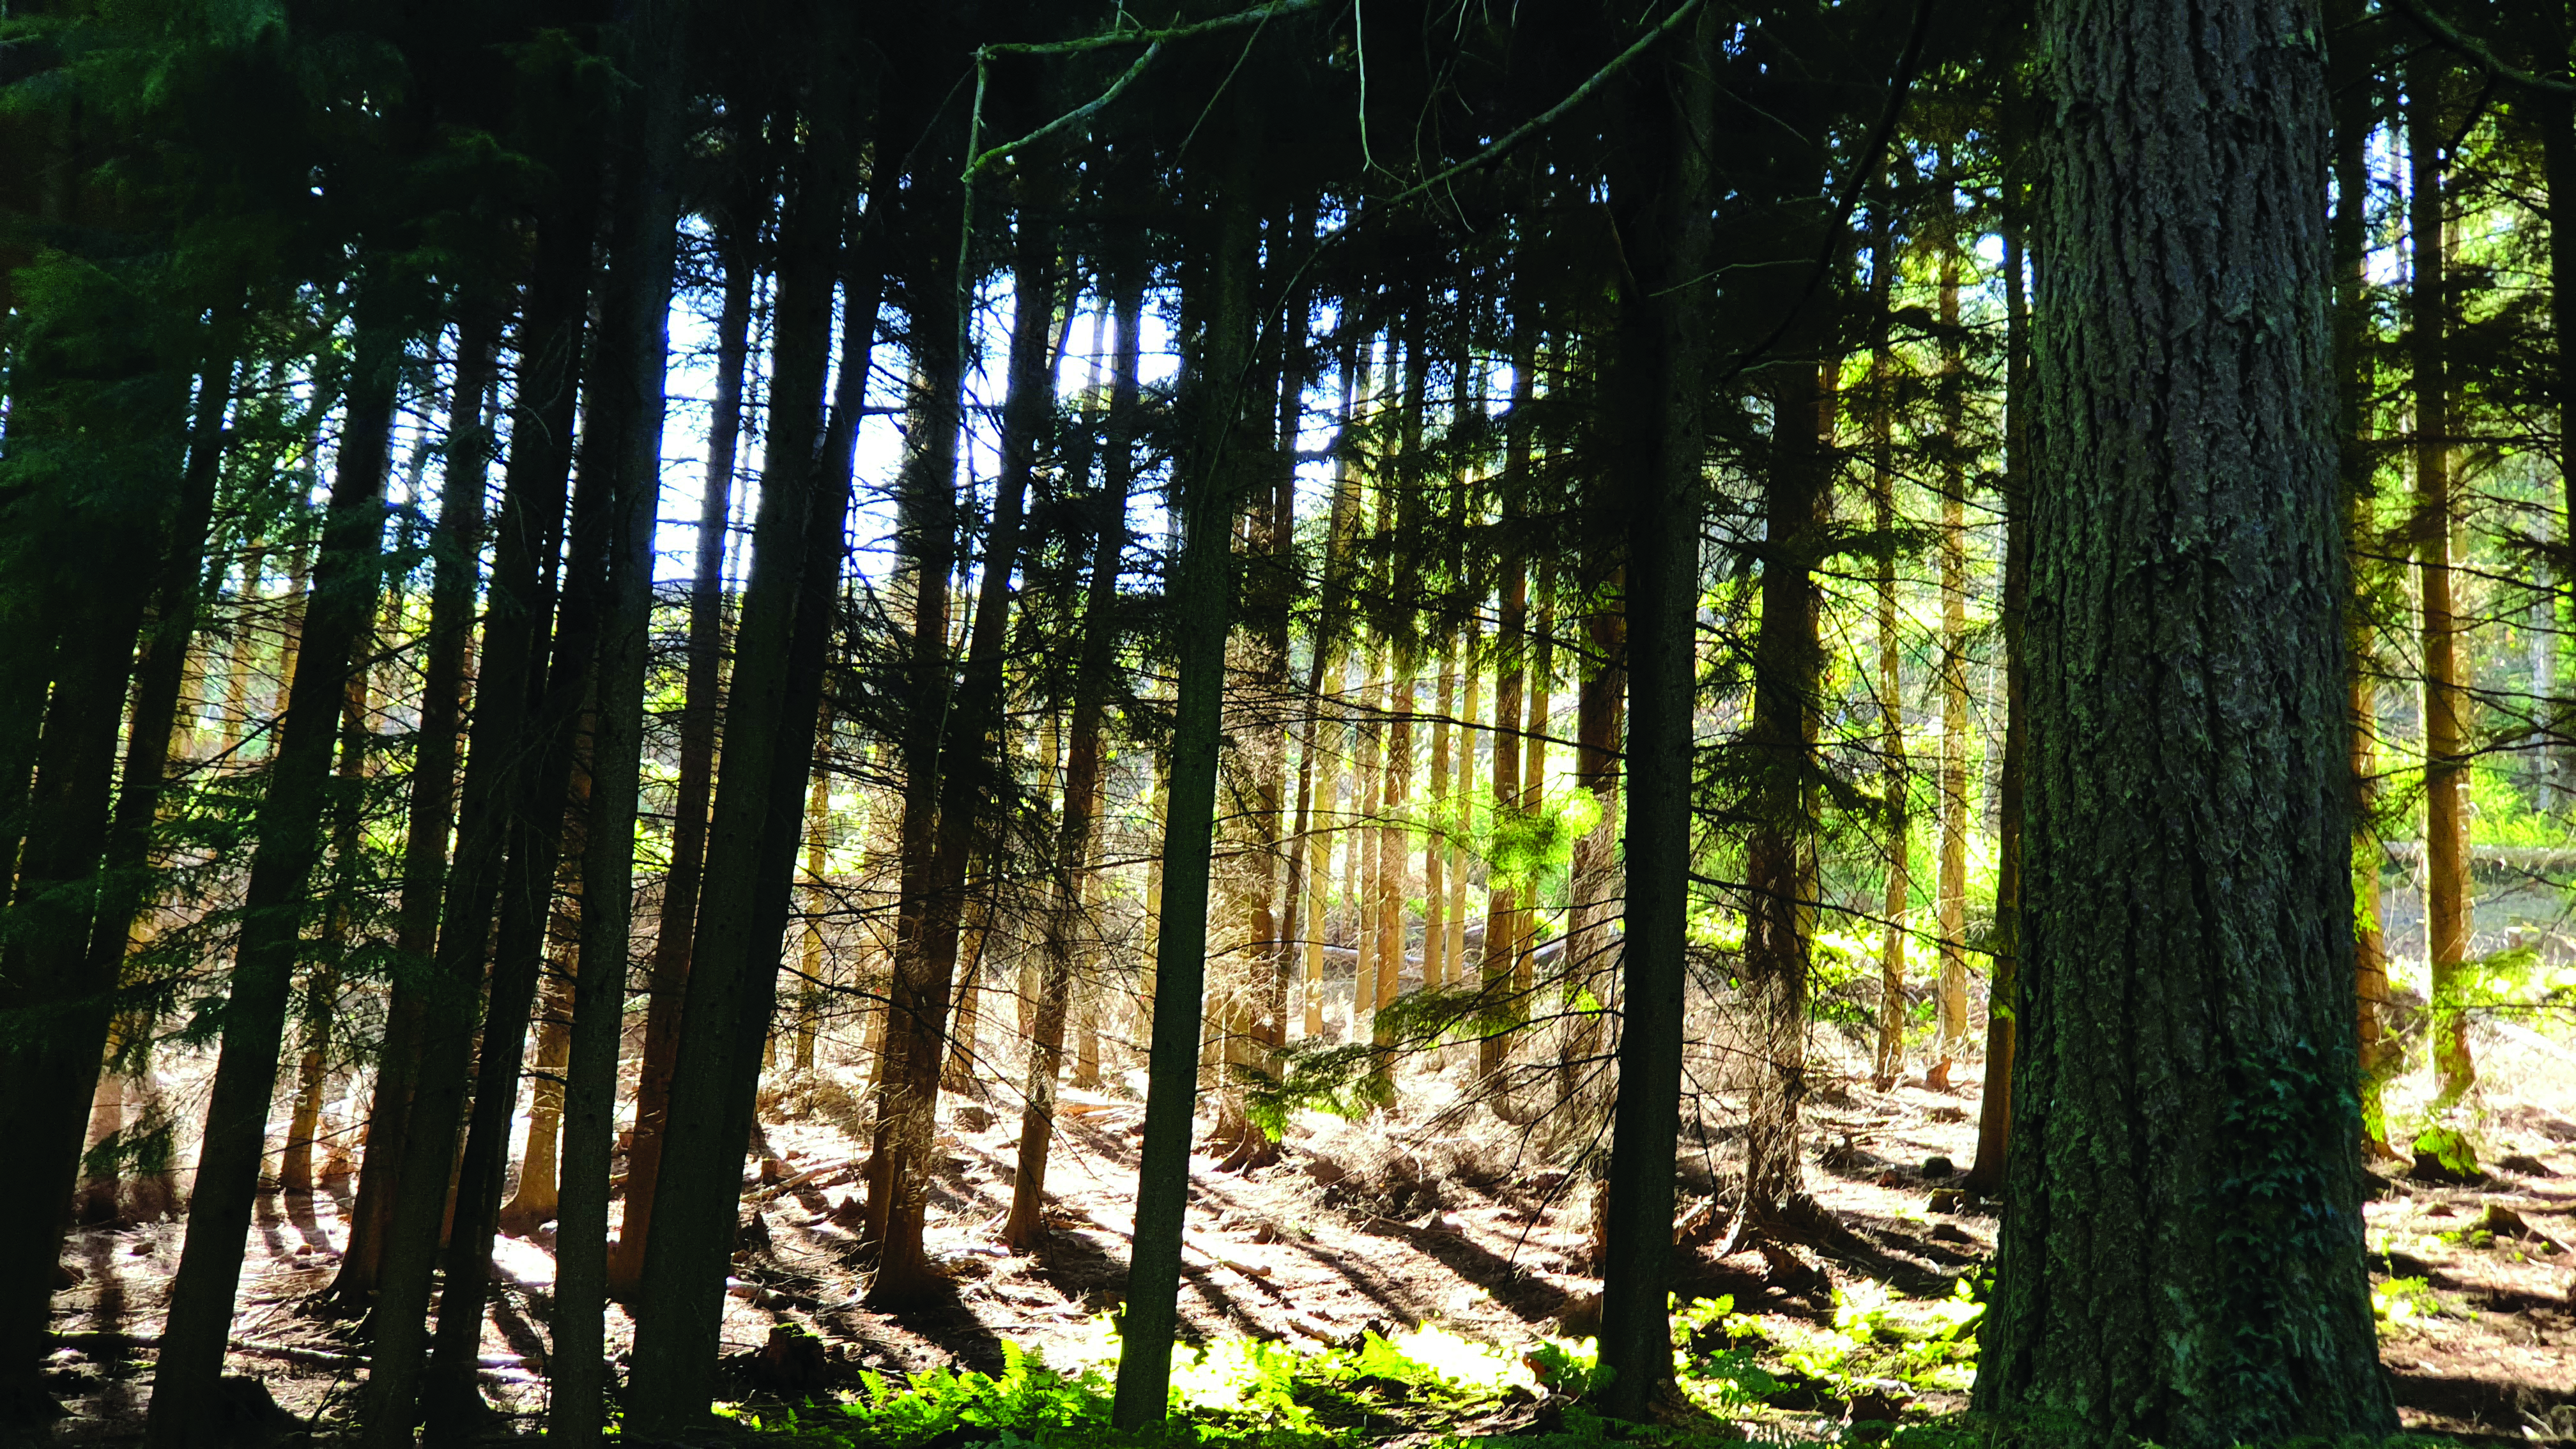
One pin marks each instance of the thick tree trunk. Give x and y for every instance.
(1662, 209)
(290, 845)
(2183, 1257)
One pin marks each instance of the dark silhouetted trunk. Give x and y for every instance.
(290, 821)
(1662, 206)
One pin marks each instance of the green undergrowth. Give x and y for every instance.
(1736, 1377)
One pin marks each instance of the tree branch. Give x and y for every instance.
(2478, 50)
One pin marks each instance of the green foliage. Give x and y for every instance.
(2448, 1142)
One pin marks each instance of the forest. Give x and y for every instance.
(1287, 722)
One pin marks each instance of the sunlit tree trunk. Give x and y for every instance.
(2446, 705)
(1951, 906)
(1892, 764)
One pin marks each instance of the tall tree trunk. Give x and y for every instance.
(290, 844)
(635, 341)
(770, 718)
(1892, 764)
(2557, 112)
(1209, 481)
(322, 977)
(1077, 828)
(2446, 705)
(1511, 637)
(1951, 906)
(66, 945)
(1662, 207)
(2351, 66)
(1594, 889)
(2187, 728)
(451, 1404)
(1534, 776)
(2003, 994)
(518, 621)
(431, 810)
(677, 921)
(1780, 846)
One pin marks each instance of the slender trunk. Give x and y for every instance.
(1664, 215)
(770, 717)
(1462, 789)
(451, 1404)
(1095, 674)
(322, 978)
(2446, 759)
(636, 342)
(517, 623)
(431, 812)
(1951, 905)
(1203, 590)
(1511, 630)
(1594, 891)
(1534, 775)
(1780, 848)
(2003, 995)
(924, 976)
(290, 844)
(1893, 767)
(676, 923)
(2556, 110)
(1435, 841)
(66, 945)
(818, 821)
(2353, 82)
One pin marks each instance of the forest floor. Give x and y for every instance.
(1437, 1213)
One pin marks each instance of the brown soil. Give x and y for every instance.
(1421, 1215)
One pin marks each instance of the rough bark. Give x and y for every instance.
(2183, 1258)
